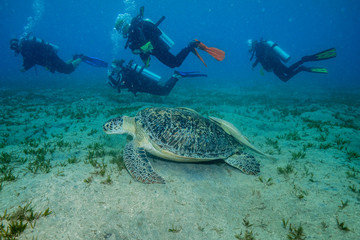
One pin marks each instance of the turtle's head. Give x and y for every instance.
(119, 125)
(114, 126)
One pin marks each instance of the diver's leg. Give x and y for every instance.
(289, 73)
(282, 72)
(282, 76)
(295, 65)
(60, 66)
(76, 62)
(162, 90)
(182, 55)
(169, 85)
(153, 87)
(286, 73)
(164, 56)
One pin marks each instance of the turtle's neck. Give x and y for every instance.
(129, 125)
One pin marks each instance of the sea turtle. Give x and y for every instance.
(179, 134)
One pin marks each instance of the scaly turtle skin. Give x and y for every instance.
(179, 134)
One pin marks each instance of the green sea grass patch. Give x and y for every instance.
(274, 144)
(325, 145)
(174, 229)
(321, 126)
(309, 174)
(343, 204)
(322, 137)
(324, 225)
(248, 235)
(307, 146)
(83, 128)
(92, 132)
(73, 160)
(89, 180)
(38, 161)
(285, 222)
(345, 122)
(5, 158)
(119, 161)
(352, 172)
(341, 225)
(352, 155)
(296, 233)
(246, 223)
(340, 142)
(14, 224)
(292, 135)
(285, 170)
(6, 175)
(299, 192)
(267, 182)
(107, 181)
(4, 140)
(297, 155)
(96, 146)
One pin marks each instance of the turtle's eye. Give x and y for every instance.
(107, 126)
(117, 123)
(113, 125)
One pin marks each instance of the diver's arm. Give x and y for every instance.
(255, 63)
(137, 38)
(145, 57)
(26, 65)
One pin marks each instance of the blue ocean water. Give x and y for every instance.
(299, 27)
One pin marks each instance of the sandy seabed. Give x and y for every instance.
(53, 144)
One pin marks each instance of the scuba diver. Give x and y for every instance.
(271, 56)
(38, 52)
(146, 39)
(138, 79)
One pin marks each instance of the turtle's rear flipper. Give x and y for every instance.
(139, 166)
(245, 163)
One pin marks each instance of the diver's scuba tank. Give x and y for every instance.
(169, 43)
(146, 73)
(163, 37)
(33, 38)
(281, 53)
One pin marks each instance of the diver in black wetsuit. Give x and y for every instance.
(39, 52)
(271, 56)
(146, 39)
(137, 79)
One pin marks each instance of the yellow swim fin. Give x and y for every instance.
(317, 70)
(326, 54)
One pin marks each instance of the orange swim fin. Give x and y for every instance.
(214, 52)
(198, 55)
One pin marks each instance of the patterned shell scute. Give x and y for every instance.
(186, 133)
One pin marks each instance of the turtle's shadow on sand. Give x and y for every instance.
(189, 171)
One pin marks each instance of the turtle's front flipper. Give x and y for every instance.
(139, 166)
(244, 162)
